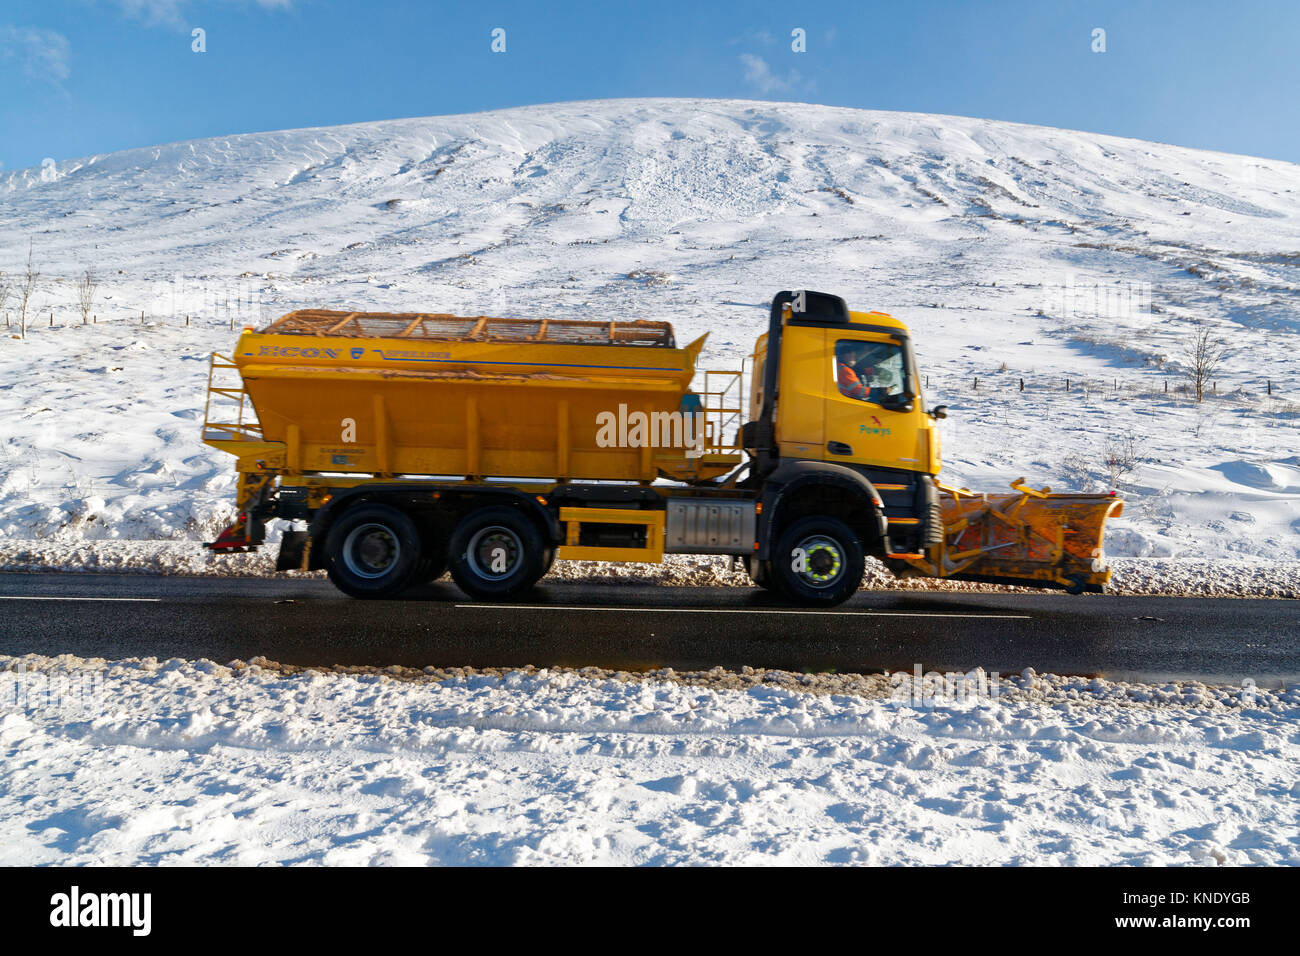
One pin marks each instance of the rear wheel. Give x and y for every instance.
(496, 552)
(818, 561)
(373, 551)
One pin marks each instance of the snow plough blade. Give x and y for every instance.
(1030, 537)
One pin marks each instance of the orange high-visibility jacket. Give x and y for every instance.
(850, 384)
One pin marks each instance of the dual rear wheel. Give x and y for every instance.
(379, 551)
(495, 552)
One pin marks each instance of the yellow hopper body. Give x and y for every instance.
(474, 397)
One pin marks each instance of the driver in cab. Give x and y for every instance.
(858, 374)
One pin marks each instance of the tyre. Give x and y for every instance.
(496, 552)
(818, 561)
(373, 551)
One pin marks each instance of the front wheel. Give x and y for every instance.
(818, 561)
(373, 551)
(496, 552)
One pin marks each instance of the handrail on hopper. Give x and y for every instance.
(239, 430)
(723, 408)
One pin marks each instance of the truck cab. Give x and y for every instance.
(850, 393)
(839, 391)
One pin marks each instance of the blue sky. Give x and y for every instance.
(91, 76)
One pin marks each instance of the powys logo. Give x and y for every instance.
(74, 909)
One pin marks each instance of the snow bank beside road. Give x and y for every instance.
(1151, 576)
(197, 763)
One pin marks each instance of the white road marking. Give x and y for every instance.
(36, 597)
(727, 610)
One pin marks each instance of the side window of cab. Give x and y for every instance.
(869, 371)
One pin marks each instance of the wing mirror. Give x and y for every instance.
(939, 411)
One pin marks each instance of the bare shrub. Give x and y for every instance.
(26, 289)
(1203, 353)
(87, 285)
(1120, 456)
(1077, 472)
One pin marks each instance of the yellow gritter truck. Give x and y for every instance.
(403, 445)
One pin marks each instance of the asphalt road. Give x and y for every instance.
(632, 627)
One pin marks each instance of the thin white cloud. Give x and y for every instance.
(760, 76)
(41, 54)
(753, 37)
(174, 12)
(153, 11)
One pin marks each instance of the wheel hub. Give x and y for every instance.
(494, 552)
(823, 562)
(371, 550)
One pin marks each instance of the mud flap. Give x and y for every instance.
(293, 551)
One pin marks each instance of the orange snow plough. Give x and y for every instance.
(1024, 538)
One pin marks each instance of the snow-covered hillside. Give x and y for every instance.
(1014, 253)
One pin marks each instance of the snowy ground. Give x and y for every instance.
(177, 762)
(1014, 253)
